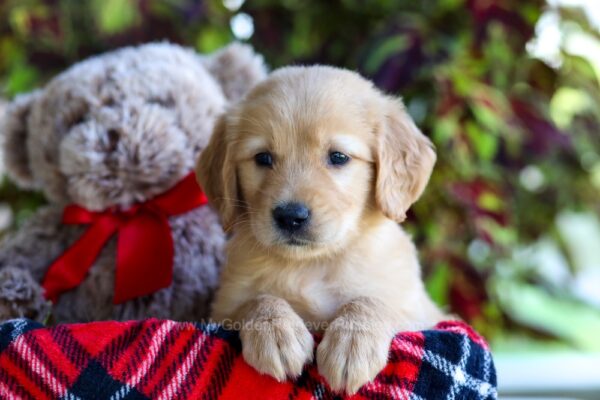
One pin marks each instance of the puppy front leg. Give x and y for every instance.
(275, 340)
(356, 344)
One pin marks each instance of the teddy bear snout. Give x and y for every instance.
(141, 154)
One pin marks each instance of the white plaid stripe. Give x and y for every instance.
(18, 325)
(458, 374)
(70, 396)
(37, 366)
(170, 392)
(121, 393)
(157, 340)
(460, 378)
(6, 393)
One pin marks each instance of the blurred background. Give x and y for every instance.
(508, 90)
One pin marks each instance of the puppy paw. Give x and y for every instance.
(21, 296)
(278, 345)
(351, 355)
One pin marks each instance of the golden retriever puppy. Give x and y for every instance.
(312, 173)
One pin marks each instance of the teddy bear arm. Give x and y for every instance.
(36, 243)
(24, 257)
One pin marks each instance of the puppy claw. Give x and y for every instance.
(348, 358)
(279, 347)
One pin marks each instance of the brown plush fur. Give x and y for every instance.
(354, 273)
(114, 130)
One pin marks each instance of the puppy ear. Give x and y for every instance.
(405, 160)
(237, 68)
(14, 133)
(215, 172)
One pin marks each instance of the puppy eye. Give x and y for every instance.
(264, 159)
(337, 158)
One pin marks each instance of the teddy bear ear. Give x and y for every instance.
(238, 68)
(14, 134)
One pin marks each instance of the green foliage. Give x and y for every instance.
(115, 15)
(517, 140)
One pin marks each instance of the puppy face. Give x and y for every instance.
(309, 157)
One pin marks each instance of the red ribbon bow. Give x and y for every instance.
(144, 248)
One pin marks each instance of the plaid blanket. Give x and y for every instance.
(158, 359)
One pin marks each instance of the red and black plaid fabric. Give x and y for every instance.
(157, 359)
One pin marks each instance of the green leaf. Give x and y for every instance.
(486, 144)
(567, 103)
(210, 39)
(437, 284)
(486, 116)
(574, 322)
(489, 201)
(502, 235)
(387, 48)
(445, 129)
(21, 78)
(115, 16)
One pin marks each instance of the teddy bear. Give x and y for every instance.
(111, 143)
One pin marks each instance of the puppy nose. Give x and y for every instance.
(291, 217)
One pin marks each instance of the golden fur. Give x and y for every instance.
(356, 276)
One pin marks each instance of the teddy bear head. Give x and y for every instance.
(122, 127)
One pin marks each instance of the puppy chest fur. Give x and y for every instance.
(382, 265)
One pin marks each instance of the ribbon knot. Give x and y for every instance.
(145, 247)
